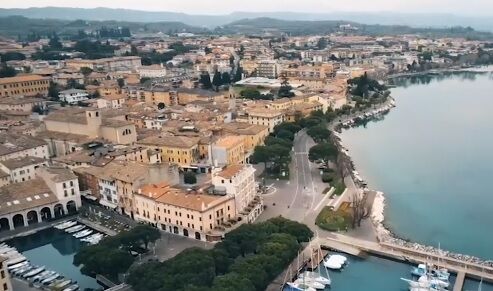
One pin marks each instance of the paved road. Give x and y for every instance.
(297, 198)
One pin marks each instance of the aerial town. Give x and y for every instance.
(151, 157)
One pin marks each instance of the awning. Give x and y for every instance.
(89, 196)
(107, 204)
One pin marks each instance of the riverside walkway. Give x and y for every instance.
(396, 252)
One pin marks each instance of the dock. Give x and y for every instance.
(463, 269)
(459, 282)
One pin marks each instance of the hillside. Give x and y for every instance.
(260, 25)
(482, 23)
(15, 26)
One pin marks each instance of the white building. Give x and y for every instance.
(239, 181)
(21, 169)
(153, 71)
(53, 193)
(72, 96)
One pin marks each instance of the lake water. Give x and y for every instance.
(432, 157)
(55, 250)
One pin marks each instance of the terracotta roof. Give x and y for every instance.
(22, 162)
(230, 171)
(229, 141)
(25, 195)
(164, 193)
(171, 141)
(22, 78)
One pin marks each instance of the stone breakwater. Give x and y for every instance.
(384, 234)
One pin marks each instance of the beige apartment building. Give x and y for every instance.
(24, 85)
(92, 124)
(265, 116)
(199, 216)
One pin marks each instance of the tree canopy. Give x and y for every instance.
(323, 151)
(248, 259)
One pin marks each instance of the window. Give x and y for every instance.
(2, 274)
(5, 287)
(65, 193)
(71, 183)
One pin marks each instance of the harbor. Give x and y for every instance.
(44, 259)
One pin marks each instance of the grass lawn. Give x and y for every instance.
(331, 220)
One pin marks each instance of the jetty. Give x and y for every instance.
(463, 268)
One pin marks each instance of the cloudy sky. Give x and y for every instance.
(460, 7)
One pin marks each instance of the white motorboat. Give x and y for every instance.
(33, 272)
(310, 283)
(50, 279)
(18, 265)
(313, 276)
(83, 233)
(63, 284)
(23, 270)
(75, 228)
(42, 275)
(333, 264)
(15, 261)
(301, 287)
(338, 258)
(72, 288)
(65, 225)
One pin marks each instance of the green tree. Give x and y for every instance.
(216, 79)
(319, 133)
(238, 75)
(121, 82)
(6, 71)
(285, 90)
(285, 134)
(85, 71)
(325, 151)
(189, 178)
(232, 282)
(225, 78)
(143, 80)
(161, 106)
(205, 80)
(53, 91)
(101, 259)
(271, 140)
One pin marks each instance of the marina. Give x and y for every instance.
(44, 259)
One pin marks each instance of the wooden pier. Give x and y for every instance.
(463, 269)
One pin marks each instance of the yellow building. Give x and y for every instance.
(194, 215)
(265, 116)
(179, 150)
(229, 150)
(24, 85)
(253, 135)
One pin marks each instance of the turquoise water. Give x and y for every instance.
(432, 157)
(55, 250)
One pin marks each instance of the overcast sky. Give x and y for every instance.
(459, 7)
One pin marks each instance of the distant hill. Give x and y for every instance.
(211, 21)
(15, 26)
(297, 27)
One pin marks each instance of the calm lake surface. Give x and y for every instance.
(55, 250)
(432, 157)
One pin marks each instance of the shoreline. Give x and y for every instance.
(377, 213)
